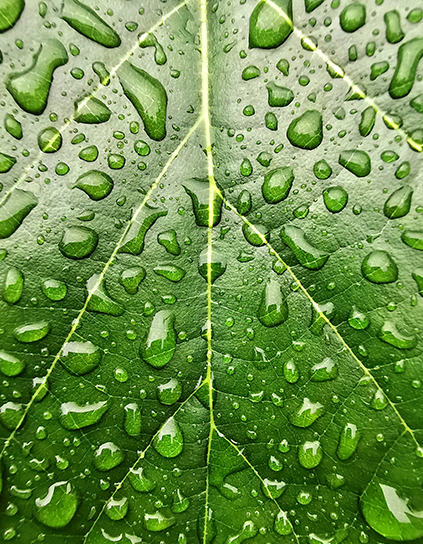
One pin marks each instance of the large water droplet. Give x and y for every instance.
(86, 21)
(11, 415)
(277, 184)
(148, 97)
(49, 140)
(97, 185)
(306, 413)
(169, 441)
(32, 332)
(357, 319)
(13, 285)
(367, 121)
(80, 357)
(310, 454)
(117, 509)
(409, 55)
(133, 241)
(290, 371)
(10, 365)
(413, 238)
(58, 506)
(170, 242)
(273, 489)
(139, 480)
(132, 423)
(249, 530)
(353, 17)
(379, 267)
(91, 110)
(326, 370)
(158, 522)
(13, 126)
(212, 261)
(270, 26)
(150, 40)
(391, 335)
(100, 300)
(74, 416)
(199, 191)
(306, 131)
(108, 456)
(309, 256)
(356, 161)
(273, 309)
(10, 11)
(398, 203)
(54, 289)
(279, 96)
(130, 278)
(169, 392)
(335, 198)
(161, 341)
(15, 207)
(282, 524)
(170, 271)
(78, 242)
(6, 162)
(31, 88)
(256, 235)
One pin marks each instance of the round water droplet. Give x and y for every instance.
(58, 506)
(379, 267)
(49, 140)
(169, 441)
(108, 456)
(78, 242)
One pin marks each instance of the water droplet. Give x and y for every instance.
(139, 480)
(86, 21)
(13, 285)
(91, 110)
(270, 26)
(256, 235)
(13, 126)
(101, 71)
(158, 522)
(379, 400)
(213, 263)
(249, 530)
(132, 422)
(97, 185)
(180, 503)
(117, 509)
(10, 11)
(58, 506)
(282, 524)
(277, 184)
(273, 489)
(309, 256)
(10, 365)
(170, 271)
(49, 140)
(398, 203)
(379, 267)
(356, 161)
(130, 278)
(150, 40)
(74, 416)
(306, 131)
(80, 357)
(322, 170)
(133, 241)
(148, 97)
(348, 441)
(391, 335)
(310, 454)
(250, 72)
(169, 392)
(54, 289)
(413, 238)
(326, 370)
(353, 17)
(335, 198)
(32, 332)
(306, 413)
(100, 300)
(409, 55)
(279, 96)
(14, 209)
(89, 154)
(198, 190)
(273, 309)
(246, 168)
(11, 415)
(31, 88)
(161, 341)
(169, 441)
(78, 242)
(357, 319)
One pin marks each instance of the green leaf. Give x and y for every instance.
(211, 272)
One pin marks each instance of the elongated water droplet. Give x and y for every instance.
(14, 209)
(379, 267)
(10, 365)
(367, 122)
(348, 441)
(413, 238)
(249, 530)
(290, 371)
(356, 161)
(150, 40)
(391, 335)
(244, 202)
(158, 522)
(78, 242)
(74, 416)
(101, 71)
(91, 110)
(13, 126)
(409, 55)
(11, 414)
(256, 235)
(198, 190)
(169, 441)
(117, 509)
(180, 503)
(170, 271)
(306, 131)
(86, 21)
(133, 241)
(58, 506)
(398, 203)
(13, 285)
(318, 314)
(273, 309)
(309, 256)
(277, 184)
(161, 341)
(310, 454)
(108, 456)
(32, 332)
(270, 26)
(282, 524)
(379, 400)
(148, 97)
(31, 88)
(306, 413)
(80, 357)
